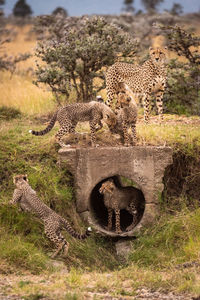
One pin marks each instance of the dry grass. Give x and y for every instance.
(19, 92)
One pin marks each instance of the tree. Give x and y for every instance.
(22, 9)
(2, 2)
(177, 9)
(75, 51)
(128, 6)
(60, 11)
(151, 5)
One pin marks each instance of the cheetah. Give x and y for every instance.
(144, 80)
(71, 114)
(117, 199)
(28, 201)
(126, 114)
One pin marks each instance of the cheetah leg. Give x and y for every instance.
(117, 221)
(125, 133)
(159, 104)
(110, 214)
(56, 237)
(146, 108)
(133, 211)
(61, 132)
(93, 136)
(111, 87)
(133, 128)
(99, 126)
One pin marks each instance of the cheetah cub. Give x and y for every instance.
(53, 223)
(71, 114)
(126, 109)
(116, 199)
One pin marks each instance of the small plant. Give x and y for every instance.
(8, 113)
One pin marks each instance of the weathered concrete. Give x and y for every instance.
(144, 165)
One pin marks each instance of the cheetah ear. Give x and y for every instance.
(150, 48)
(166, 48)
(14, 179)
(25, 177)
(107, 116)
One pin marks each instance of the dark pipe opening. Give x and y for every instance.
(99, 211)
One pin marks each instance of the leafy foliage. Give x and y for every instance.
(61, 11)
(151, 5)
(75, 50)
(22, 9)
(183, 94)
(128, 6)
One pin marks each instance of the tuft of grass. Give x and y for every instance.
(8, 113)
(171, 241)
(22, 254)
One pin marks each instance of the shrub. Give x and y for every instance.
(75, 50)
(183, 94)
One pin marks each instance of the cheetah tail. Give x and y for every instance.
(76, 235)
(48, 128)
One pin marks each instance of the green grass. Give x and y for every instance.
(92, 264)
(171, 241)
(22, 153)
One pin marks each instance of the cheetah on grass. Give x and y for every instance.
(53, 223)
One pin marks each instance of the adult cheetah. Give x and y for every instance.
(144, 80)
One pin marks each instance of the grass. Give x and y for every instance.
(19, 92)
(91, 267)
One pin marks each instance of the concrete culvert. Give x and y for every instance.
(99, 212)
(91, 166)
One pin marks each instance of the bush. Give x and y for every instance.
(75, 51)
(183, 94)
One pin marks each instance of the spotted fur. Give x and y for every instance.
(143, 80)
(116, 199)
(70, 115)
(126, 114)
(53, 223)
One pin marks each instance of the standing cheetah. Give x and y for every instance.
(143, 80)
(71, 114)
(53, 223)
(117, 199)
(126, 114)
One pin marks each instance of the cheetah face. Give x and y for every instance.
(158, 55)
(111, 120)
(18, 179)
(107, 187)
(123, 100)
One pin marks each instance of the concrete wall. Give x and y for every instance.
(144, 165)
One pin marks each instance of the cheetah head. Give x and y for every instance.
(107, 187)
(157, 54)
(111, 120)
(19, 179)
(123, 100)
